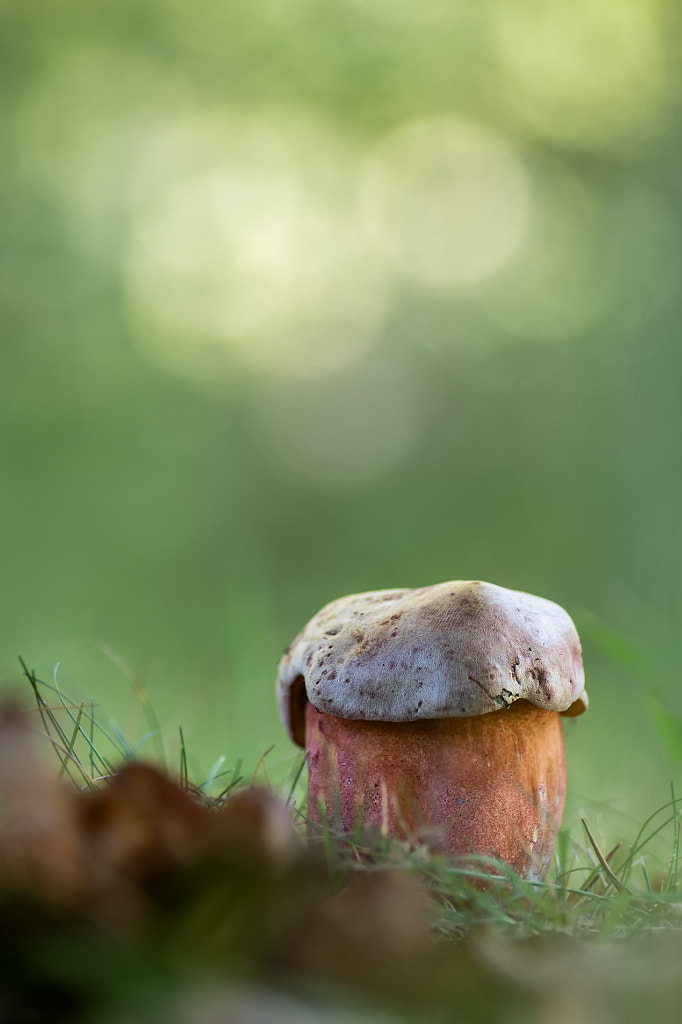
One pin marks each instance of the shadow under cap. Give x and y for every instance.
(453, 650)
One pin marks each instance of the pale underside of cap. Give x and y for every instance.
(452, 650)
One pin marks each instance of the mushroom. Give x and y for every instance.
(435, 715)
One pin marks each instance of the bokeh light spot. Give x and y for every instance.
(80, 127)
(446, 200)
(589, 72)
(590, 258)
(553, 289)
(237, 253)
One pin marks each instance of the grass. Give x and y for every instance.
(362, 926)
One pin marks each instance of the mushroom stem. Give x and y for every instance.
(492, 784)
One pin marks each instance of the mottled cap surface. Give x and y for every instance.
(452, 650)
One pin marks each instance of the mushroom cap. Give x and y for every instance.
(453, 650)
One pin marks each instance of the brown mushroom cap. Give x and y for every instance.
(453, 650)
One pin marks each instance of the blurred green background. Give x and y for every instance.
(300, 300)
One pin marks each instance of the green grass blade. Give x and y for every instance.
(608, 873)
(671, 881)
(69, 750)
(142, 696)
(304, 761)
(184, 776)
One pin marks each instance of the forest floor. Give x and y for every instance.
(131, 894)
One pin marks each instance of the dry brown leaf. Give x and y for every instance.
(39, 823)
(255, 823)
(141, 821)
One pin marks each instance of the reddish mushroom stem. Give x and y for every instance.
(492, 784)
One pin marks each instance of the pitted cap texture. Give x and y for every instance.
(453, 650)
